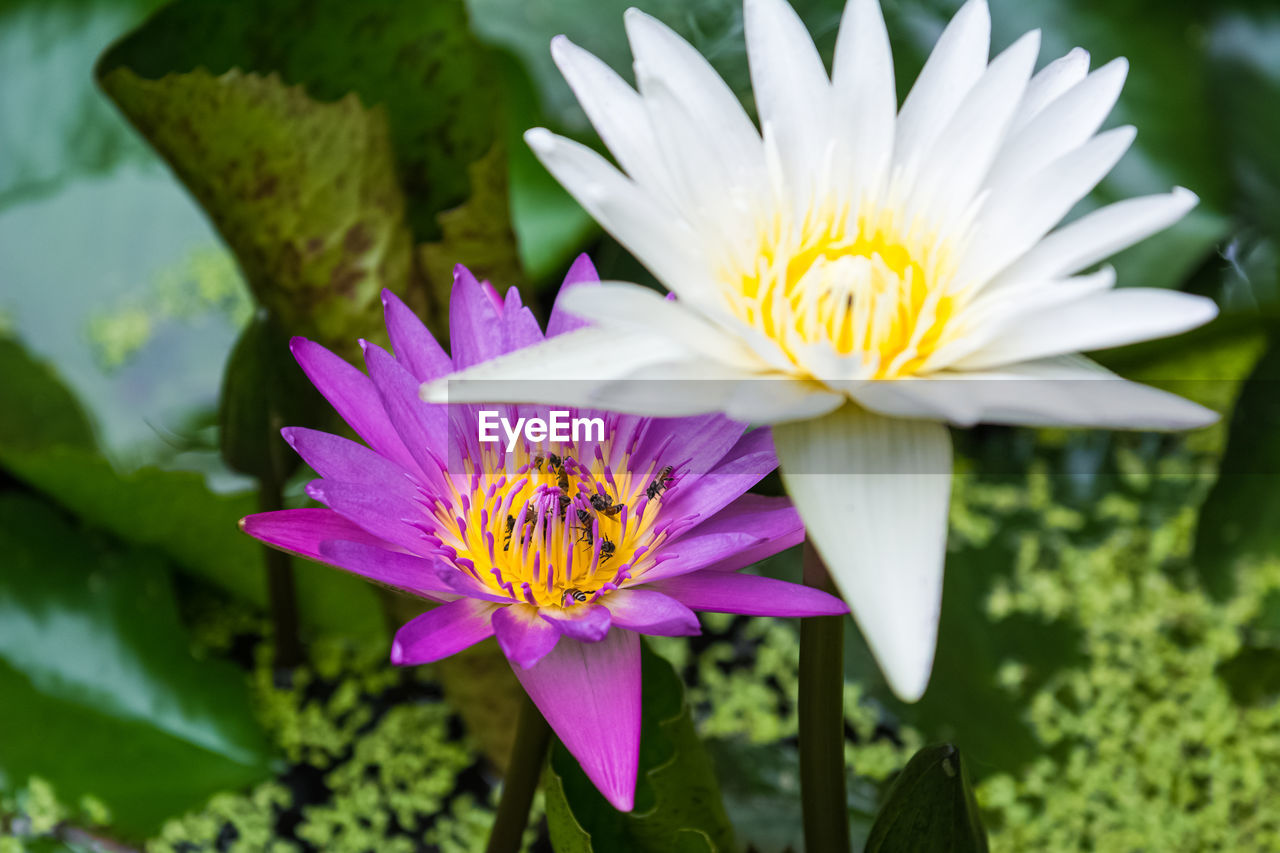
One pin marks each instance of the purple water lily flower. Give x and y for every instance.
(567, 552)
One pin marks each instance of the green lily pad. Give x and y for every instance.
(97, 677)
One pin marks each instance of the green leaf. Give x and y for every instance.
(929, 808)
(174, 512)
(1244, 75)
(1240, 518)
(50, 414)
(96, 675)
(677, 806)
(44, 441)
(477, 235)
(305, 192)
(54, 127)
(418, 62)
(263, 390)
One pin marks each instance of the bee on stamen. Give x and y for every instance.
(529, 524)
(660, 484)
(511, 526)
(604, 506)
(576, 594)
(606, 548)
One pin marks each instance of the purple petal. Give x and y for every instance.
(750, 595)
(586, 622)
(590, 696)
(419, 575)
(520, 328)
(743, 533)
(337, 458)
(750, 459)
(443, 631)
(704, 441)
(696, 551)
(524, 637)
(300, 531)
(375, 509)
(582, 273)
(353, 397)
(474, 322)
(415, 347)
(650, 612)
(750, 556)
(423, 427)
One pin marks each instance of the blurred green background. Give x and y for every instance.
(1109, 660)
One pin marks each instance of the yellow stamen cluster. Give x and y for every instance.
(525, 523)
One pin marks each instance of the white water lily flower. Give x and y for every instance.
(861, 257)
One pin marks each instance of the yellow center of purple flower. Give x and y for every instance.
(553, 526)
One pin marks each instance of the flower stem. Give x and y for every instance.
(281, 594)
(521, 780)
(821, 713)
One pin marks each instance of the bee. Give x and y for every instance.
(511, 526)
(660, 484)
(562, 480)
(554, 460)
(584, 518)
(563, 502)
(576, 594)
(606, 548)
(584, 534)
(604, 506)
(529, 523)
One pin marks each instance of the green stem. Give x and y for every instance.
(521, 780)
(281, 594)
(821, 716)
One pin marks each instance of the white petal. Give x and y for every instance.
(792, 92)
(660, 54)
(720, 210)
(956, 63)
(1099, 235)
(1103, 320)
(864, 101)
(693, 387)
(1013, 222)
(649, 230)
(615, 110)
(995, 309)
(1067, 391)
(566, 369)
(1063, 125)
(631, 307)
(1050, 82)
(873, 493)
(960, 158)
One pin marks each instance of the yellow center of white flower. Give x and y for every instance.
(550, 528)
(862, 284)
